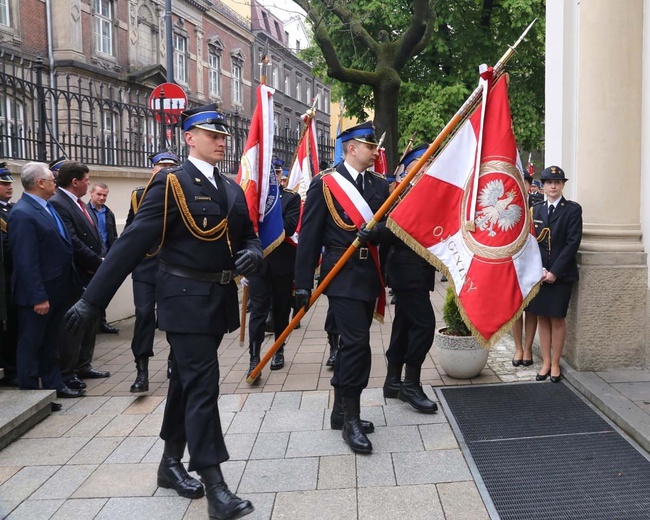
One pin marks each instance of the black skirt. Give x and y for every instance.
(552, 300)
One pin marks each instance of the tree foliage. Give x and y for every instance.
(436, 80)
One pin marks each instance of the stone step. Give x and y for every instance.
(20, 410)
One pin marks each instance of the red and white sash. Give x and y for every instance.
(356, 207)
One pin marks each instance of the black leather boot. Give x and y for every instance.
(142, 377)
(352, 431)
(254, 350)
(393, 380)
(277, 361)
(173, 475)
(337, 416)
(222, 503)
(411, 392)
(333, 340)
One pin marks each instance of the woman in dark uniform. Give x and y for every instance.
(558, 226)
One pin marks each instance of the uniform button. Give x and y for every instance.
(184, 290)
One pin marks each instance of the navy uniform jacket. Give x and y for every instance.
(559, 257)
(185, 305)
(282, 260)
(146, 270)
(5, 261)
(88, 245)
(359, 278)
(43, 265)
(406, 270)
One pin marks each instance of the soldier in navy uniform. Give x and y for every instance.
(558, 226)
(274, 281)
(144, 285)
(353, 292)
(199, 222)
(412, 278)
(8, 312)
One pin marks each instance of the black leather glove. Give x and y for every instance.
(302, 298)
(247, 262)
(366, 235)
(80, 315)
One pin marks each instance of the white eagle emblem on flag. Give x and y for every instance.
(497, 209)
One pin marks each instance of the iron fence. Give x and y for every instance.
(44, 116)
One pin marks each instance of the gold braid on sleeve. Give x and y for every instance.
(327, 194)
(3, 226)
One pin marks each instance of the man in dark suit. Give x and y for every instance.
(43, 274)
(144, 285)
(8, 312)
(76, 352)
(328, 221)
(107, 228)
(274, 280)
(412, 278)
(198, 220)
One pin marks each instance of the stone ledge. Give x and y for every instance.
(20, 410)
(618, 408)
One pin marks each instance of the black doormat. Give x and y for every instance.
(540, 452)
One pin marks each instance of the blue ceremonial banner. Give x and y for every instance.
(271, 229)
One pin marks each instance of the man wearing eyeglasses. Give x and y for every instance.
(42, 251)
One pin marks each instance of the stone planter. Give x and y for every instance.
(460, 357)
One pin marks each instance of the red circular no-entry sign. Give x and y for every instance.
(169, 99)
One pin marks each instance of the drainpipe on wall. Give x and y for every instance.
(50, 55)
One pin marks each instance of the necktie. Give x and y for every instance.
(56, 218)
(215, 176)
(551, 210)
(85, 211)
(360, 183)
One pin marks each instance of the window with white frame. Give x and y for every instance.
(236, 83)
(5, 19)
(319, 95)
(287, 84)
(308, 92)
(109, 129)
(180, 58)
(275, 79)
(326, 102)
(12, 128)
(214, 65)
(103, 13)
(298, 90)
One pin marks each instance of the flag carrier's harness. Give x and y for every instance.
(433, 147)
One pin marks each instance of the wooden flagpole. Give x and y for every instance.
(462, 112)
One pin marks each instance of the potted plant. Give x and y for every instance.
(458, 352)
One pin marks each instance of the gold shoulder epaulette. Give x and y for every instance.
(326, 172)
(290, 191)
(376, 174)
(139, 188)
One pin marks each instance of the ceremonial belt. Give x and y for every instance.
(353, 203)
(361, 253)
(224, 277)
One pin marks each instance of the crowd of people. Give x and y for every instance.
(188, 234)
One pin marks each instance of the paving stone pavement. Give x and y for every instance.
(97, 458)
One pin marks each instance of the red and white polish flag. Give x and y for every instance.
(473, 224)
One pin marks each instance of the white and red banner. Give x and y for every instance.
(256, 176)
(305, 164)
(472, 222)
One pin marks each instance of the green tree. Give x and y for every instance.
(435, 80)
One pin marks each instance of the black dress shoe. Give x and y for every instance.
(173, 475)
(94, 374)
(517, 362)
(557, 378)
(542, 377)
(223, 504)
(105, 328)
(527, 362)
(277, 361)
(75, 383)
(56, 407)
(69, 393)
